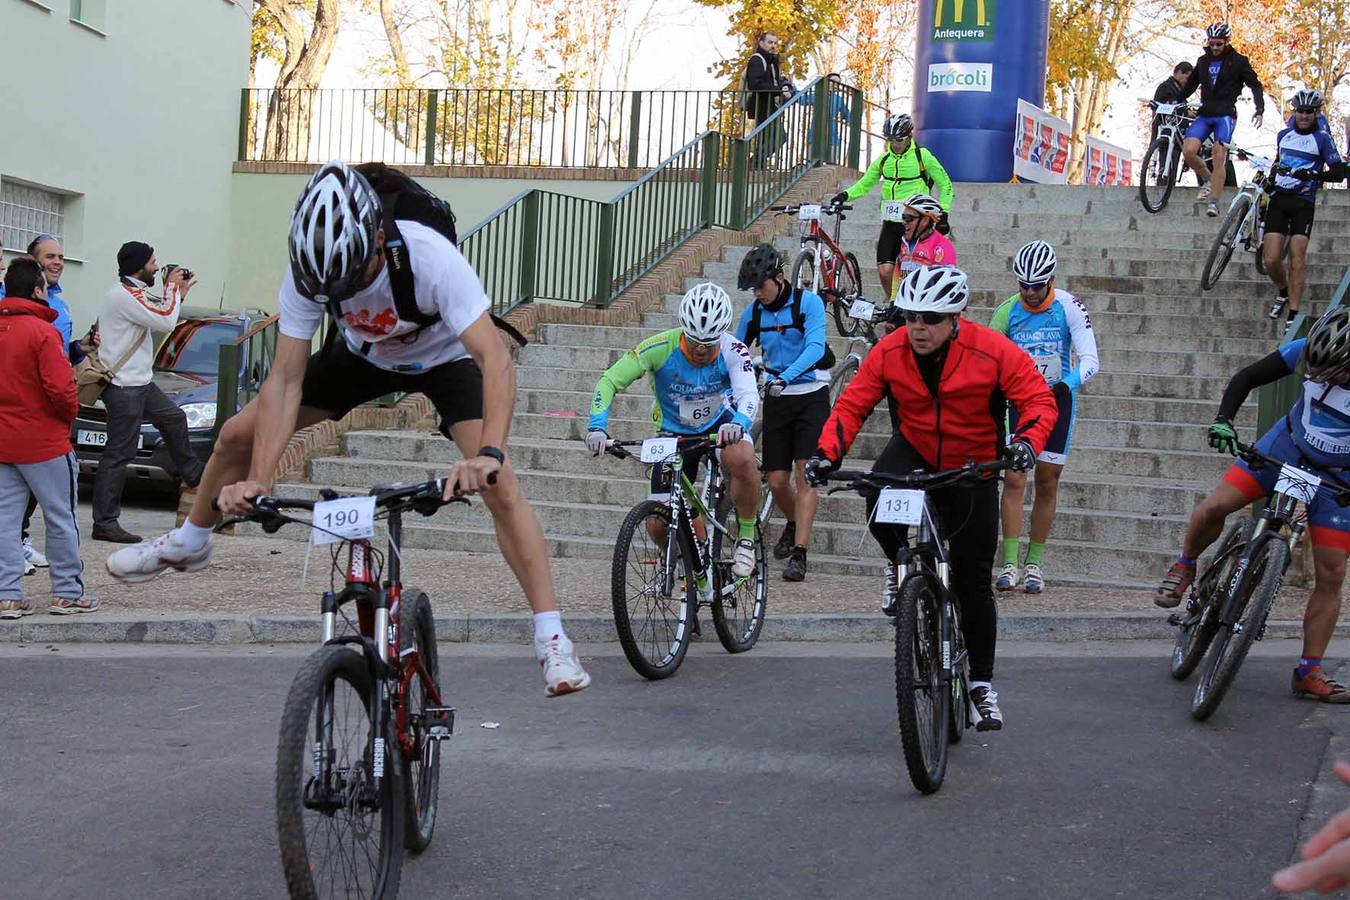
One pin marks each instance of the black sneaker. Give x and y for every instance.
(985, 701)
(796, 567)
(786, 541)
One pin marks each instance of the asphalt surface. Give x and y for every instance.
(148, 772)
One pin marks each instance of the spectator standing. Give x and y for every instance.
(766, 90)
(37, 408)
(129, 316)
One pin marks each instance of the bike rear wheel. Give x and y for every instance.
(1256, 595)
(1194, 638)
(738, 609)
(422, 778)
(1225, 242)
(920, 696)
(338, 834)
(841, 378)
(652, 589)
(1158, 176)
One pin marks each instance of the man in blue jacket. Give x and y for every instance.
(789, 326)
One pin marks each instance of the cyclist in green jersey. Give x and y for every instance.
(904, 169)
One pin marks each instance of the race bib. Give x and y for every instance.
(1050, 367)
(862, 309)
(892, 210)
(1298, 482)
(700, 411)
(897, 506)
(347, 519)
(809, 212)
(658, 449)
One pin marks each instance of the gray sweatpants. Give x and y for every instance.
(53, 483)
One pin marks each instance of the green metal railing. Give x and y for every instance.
(1274, 400)
(475, 127)
(244, 366)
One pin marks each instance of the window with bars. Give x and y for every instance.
(88, 12)
(27, 211)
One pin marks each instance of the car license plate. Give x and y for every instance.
(87, 437)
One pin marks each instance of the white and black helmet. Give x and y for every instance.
(1219, 30)
(1326, 356)
(1035, 263)
(332, 237)
(897, 126)
(1308, 98)
(924, 205)
(705, 312)
(940, 289)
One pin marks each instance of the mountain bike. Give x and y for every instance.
(932, 676)
(870, 317)
(1245, 222)
(1162, 168)
(822, 265)
(674, 556)
(358, 754)
(1228, 605)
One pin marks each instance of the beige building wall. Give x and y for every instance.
(132, 116)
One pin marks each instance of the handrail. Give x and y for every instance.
(1275, 399)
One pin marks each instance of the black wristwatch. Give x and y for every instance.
(493, 452)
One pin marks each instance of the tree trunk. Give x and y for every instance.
(401, 70)
(288, 115)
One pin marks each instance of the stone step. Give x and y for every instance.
(1033, 219)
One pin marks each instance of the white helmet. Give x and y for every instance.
(705, 312)
(333, 228)
(940, 289)
(1035, 263)
(924, 205)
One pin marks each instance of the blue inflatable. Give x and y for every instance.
(975, 59)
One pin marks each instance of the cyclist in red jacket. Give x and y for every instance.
(951, 379)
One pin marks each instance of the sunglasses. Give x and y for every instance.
(1218, 43)
(908, 219)
(1032, 287)
(1306, 110)
(929, 318)
(701, 345)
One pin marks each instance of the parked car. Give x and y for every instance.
(186, 368)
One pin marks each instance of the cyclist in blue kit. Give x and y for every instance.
(1220, 76)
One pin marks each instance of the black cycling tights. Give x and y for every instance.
(968, 516)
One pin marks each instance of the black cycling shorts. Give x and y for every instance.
(1289, 215)
(663, 475)
(888, 242)
(337, 381)
(792, 424)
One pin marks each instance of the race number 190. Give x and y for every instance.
(345, 519)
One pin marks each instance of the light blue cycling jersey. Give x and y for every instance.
(690, 399)
(1320, 419)
(1315, 150)
(1052, 336)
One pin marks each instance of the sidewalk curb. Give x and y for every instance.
(182, 628)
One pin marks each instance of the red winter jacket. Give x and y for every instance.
(983, 369)
(37, 386)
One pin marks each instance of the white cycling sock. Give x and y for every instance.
(193, 537)
(547, 624)
(981, 684)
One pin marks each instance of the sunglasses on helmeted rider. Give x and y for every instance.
(909, 219)
(1306, 110)
(929, 318)
(1032, 287)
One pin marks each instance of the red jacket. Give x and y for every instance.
(982, 371)
(37, 386)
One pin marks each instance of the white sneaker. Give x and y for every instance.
(149, 559)
(1007, 579)
(32, 556)
(743, 560)
(1204, 193)
(29, 568)
(563, 674)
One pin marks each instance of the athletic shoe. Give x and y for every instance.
(1175, 585)
(29, 568)
(1007, 579)
(66, 606)
(1204, 193)
(796, 567)
(890, 593)
(32, 556)
(1213, 209)
(1317, 686)
(1277, 307)
(563, 674)
(743, 559)
(786, 541)
(1035, 581)
(149, 559)
(988, 717)
(15, 609)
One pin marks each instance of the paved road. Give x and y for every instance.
(147, 772)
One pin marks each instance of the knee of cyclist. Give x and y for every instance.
(778, 479)
(1329, 571)
(1047, 480)
(504, 493)
(235, 439)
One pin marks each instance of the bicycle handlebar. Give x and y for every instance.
(682, 442)
(1258, 460)
(424, 497)
(862, 481)
(829, 209)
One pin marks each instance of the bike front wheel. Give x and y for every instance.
(1255, 596)
(1226, 241)
(652, 591)
(921, 697)
(841, 378)
(848, 285)
(1194, 637)
(340, 833)
(422, 779)
(738, 608)
(1157, 178)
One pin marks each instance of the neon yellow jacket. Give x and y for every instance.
(900, 177)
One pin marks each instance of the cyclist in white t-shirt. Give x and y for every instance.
(339, 261)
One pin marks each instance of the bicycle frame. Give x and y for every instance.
(827, 266)
(1278, 514)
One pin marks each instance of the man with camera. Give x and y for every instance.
(128, 319)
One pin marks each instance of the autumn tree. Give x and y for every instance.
(878, 34)
(306, 31)
(1321, 56)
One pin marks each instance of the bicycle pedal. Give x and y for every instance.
(439, 722)
(1175, 620)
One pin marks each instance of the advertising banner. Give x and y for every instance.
(1106, 163)
(1040, 146)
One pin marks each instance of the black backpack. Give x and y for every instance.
(403, 198)
(826, 361)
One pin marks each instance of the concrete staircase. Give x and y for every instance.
(1138, 461)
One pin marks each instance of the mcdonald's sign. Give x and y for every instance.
(963, 20)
